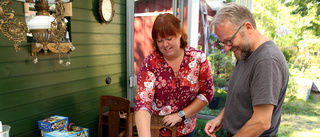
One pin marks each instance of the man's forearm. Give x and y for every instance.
(258, 123)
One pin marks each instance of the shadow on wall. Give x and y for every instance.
(142, 39)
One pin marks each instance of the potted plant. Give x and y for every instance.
(214, 103)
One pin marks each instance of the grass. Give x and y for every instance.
(301, 118)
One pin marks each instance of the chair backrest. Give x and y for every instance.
(117, 106)
(156, 125)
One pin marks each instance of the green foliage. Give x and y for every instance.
(308, 9)
(309, 73)
(309, 44)
(287, 41)
(265, 14)
(290, 54)
(199, 130)
(222, 66)
(291, 89)
(222, 94)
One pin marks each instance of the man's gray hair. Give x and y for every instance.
(235, 13)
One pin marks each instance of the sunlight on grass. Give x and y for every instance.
(305, 134)
(300, 118)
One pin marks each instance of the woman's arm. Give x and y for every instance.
(193, 109)
(142, 119)
(144, 98)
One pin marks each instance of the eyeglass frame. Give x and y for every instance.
(230, 40)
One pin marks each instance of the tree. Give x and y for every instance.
(271, 14)
(309, 9)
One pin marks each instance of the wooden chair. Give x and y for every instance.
(156, 125)
(119, 111)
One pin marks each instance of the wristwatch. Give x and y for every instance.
(182, 115)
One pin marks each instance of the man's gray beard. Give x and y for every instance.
(245, 49)
(245, 53)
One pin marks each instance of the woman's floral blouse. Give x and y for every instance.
(161, 93)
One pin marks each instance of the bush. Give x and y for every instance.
(222, 64)
(290, 54)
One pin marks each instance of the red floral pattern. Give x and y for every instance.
(161, 93)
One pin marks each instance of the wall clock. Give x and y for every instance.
(106, 10)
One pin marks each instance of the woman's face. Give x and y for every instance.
(169, 46)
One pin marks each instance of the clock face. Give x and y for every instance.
(106, 10)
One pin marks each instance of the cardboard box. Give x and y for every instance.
(53, 123)
(79, 132)
(43, 132)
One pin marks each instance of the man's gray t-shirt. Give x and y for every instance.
(261, 79)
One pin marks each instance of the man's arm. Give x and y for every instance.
(258, 123)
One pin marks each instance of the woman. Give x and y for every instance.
(174, 80)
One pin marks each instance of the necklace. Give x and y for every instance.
(261, 40)
(258, 45)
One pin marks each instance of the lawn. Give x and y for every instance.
(301, 118)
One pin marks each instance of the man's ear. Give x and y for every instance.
(248, 28)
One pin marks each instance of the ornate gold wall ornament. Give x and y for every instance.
(17, 31)
(10, 27)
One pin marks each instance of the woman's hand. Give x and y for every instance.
(213, 126)
(171, 120)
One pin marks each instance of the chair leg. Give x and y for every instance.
(155, 132)
(129, 125)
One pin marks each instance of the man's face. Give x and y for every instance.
(234, 40)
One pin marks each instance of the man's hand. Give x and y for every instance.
(213, 126)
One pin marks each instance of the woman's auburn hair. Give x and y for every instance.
(167, 25)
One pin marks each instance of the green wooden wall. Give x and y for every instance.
(31, 92)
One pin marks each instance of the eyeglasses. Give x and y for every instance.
(229, 42)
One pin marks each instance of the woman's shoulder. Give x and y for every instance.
(192, 49)
(194, 53)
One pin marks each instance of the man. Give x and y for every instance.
(258, 84)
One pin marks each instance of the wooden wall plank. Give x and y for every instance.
(93, 27)
(13, 69)
(8, 54)
(82, 38)
(13, 84)
(41, 93)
